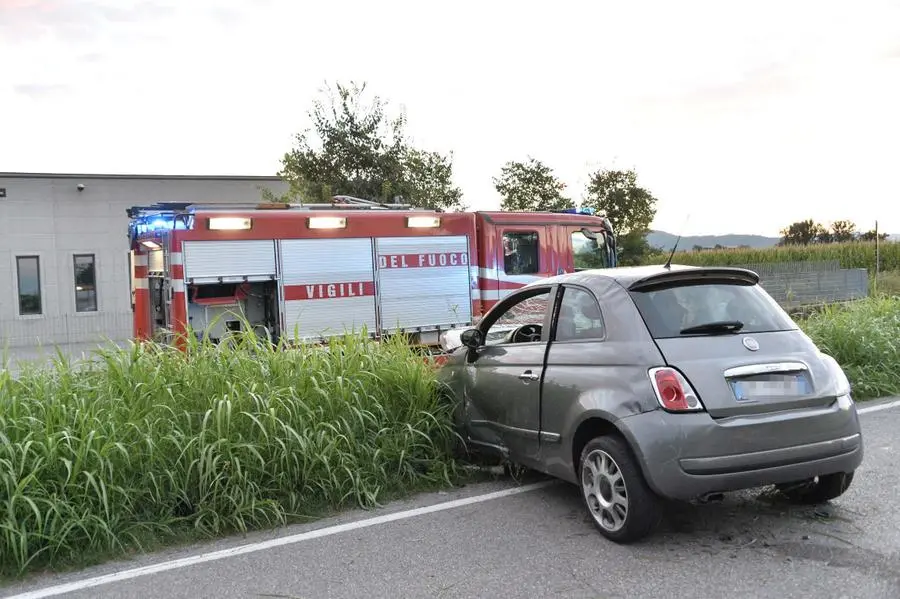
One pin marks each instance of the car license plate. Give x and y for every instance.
(792, 385)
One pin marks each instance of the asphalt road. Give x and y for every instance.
(538, 543)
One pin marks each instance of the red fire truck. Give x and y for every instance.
(312, 271)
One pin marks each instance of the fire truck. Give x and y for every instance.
(311, 271)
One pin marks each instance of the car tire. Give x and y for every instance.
(825, 489)
(617, 498)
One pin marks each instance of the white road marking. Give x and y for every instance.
(879, 407)
(87, 583)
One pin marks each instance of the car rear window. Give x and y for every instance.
(671, 310)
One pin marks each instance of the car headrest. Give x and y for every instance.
(589, 308)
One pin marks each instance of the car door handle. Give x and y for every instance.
(528, 376)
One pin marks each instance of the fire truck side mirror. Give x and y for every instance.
(472, 338)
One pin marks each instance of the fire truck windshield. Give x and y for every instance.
(590, 252)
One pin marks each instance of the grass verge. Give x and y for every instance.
(886, 283)
(864, 337)
(147, 445)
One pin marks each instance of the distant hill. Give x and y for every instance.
(664, 240)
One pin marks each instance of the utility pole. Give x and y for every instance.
(877, 250)
(877, 257)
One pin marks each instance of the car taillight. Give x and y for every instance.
(673, 391)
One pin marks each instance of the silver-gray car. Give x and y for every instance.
(646, 383)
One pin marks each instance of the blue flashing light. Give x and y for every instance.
(585, 210)
(156, 223)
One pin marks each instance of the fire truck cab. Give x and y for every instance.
(309, 272)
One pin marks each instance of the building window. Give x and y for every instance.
(520, 253)
(28, 271)
(85, 283)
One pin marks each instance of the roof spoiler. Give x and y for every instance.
(700, 275)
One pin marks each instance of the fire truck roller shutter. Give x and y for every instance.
(329, 286)
(424, 281)
(205, 261)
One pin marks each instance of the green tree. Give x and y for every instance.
(429, 180)
(802, 232)
(871, 236)
(843, 230)
(354, 148)
(530, 186)
(630, 207)
(633, 248)
(824, 236)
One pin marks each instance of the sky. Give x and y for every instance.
(740, 117)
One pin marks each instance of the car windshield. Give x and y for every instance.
(710, 309)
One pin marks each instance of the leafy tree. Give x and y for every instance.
(530, 187)
(628, 206)
(429, 180)
(843, 230)
(631, 208)
(824, 236)
(871, 236)
(354, 148)
(802, 232)
(633, 248)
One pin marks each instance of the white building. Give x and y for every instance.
(64, 255)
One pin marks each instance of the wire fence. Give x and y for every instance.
(800, 283)
(770, 269)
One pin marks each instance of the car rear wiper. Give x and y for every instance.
(720, 326)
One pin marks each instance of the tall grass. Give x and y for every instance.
(887, 283)
(151, 442)
(864, 337)
(851, 254)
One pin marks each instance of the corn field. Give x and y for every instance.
(853, 254)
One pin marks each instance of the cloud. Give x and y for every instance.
(750, 87)
(37, 91)
(33, 20)
(226, 15)
(707, 100)
(90, 57)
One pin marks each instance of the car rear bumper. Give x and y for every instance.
(684, 456)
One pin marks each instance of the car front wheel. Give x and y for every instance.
(615, 493)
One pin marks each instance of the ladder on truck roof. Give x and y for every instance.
(339, 202)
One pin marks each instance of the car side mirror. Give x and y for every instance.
(472, 338)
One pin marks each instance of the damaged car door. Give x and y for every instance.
(504, 370)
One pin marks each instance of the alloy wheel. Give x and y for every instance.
(604, 490)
